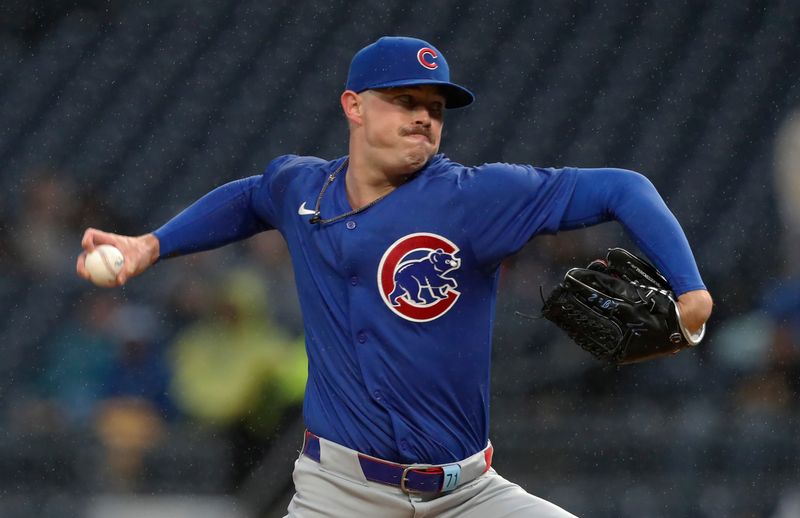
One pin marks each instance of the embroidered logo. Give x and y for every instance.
(414, 276)
(303, 211)
(426, 57)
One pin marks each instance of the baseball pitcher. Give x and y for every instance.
(396, 252)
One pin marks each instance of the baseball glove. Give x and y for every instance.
(621, 309)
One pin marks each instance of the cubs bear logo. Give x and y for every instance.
(414, 276)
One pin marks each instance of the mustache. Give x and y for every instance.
(417, 130)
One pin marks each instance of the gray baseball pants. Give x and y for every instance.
(336, 487)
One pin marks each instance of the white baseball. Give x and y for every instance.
(103, 264)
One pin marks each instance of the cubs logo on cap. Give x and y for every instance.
(427, 58)
(400, 61)
(415, 276)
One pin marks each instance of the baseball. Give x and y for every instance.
(103, 264)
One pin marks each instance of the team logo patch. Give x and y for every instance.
(414, 276)
(426, 57)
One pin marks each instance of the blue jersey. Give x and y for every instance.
(398, 300)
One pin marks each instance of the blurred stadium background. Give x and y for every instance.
(179, 394)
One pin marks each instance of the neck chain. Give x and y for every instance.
(316, 218)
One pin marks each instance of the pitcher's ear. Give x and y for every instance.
(352, 106)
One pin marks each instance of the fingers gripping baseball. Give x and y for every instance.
(138, 252)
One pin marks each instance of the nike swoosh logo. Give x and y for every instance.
(303, 211)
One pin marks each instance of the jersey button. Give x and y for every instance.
(350, 225)
(404, 444)
(377, 394)
(353, 280)
(362, 337)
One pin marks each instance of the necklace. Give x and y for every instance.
(317, 218)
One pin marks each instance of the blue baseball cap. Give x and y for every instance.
(400, 61)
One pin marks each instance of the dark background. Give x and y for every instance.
(118, 114)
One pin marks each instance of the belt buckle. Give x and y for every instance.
(451, 476)
(404, 479)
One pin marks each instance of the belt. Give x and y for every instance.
(412, 478)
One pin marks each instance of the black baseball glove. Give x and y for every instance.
(620, 309)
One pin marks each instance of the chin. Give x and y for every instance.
(420, 156)
(416, 161)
